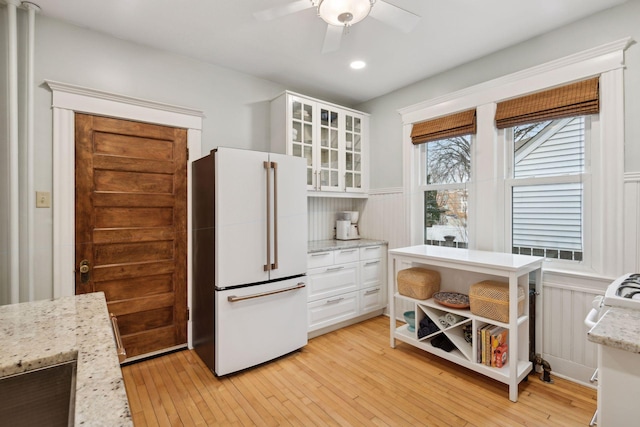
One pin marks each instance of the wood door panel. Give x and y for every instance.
(125, 289)
(108, 217)
(133, 147)
(124, 235)
(133, 182)
(131, 226)
(150, 341)
(145, 320)
(136, 305)
(132, 200)
(120, 253)
(132, 164)
(130, 271)
(139, 129)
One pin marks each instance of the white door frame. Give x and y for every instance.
(70, 99)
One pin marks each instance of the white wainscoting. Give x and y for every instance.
(564, 335)
(631, 222)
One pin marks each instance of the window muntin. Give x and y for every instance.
(547, 190)
(446, 166)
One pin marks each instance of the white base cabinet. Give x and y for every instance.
(459, 269)
(344, 284)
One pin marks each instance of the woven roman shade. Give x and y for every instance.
(450, 126)
(576, 99)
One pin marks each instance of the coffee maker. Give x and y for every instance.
(347, 225)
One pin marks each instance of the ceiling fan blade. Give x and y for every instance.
(394, 16)
(332, 38)
(279, 11)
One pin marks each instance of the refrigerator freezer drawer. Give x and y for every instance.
(259, 323)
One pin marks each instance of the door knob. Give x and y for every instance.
(84, 271)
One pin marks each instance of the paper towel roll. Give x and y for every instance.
(442, 320)
(452, 319)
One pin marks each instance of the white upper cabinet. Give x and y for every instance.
(333, 140)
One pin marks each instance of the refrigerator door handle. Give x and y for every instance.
(274, 166)
(233, 298)
(267, 266)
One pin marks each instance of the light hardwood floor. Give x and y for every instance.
(350, 377)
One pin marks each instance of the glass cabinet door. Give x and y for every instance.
(329, 152)
(302, 133)
(353, 152)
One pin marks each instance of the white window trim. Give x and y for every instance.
(606, 224)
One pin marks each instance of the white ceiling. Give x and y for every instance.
(287, 50)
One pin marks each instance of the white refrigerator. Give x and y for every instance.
(249, 257)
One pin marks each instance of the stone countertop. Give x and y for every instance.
(619, 328)
(334, 245)
(43, 333)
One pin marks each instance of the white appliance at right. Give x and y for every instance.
(617, 394)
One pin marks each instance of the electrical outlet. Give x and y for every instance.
(43, 199)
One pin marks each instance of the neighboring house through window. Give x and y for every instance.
(546, 186)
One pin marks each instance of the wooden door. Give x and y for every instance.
(131, 226)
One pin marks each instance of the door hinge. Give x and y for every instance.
(187, 153)
(188, 314)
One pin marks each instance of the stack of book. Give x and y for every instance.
(492, 346)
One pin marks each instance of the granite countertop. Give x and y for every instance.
(333, 245)
(618, 328)
(43, 333)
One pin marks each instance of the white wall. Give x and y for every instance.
(236, 108)
(598, 29)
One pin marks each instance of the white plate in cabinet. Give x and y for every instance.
(327, 311)
(346, 255)
(371, 299)
(319, 259)
(370, 252)
(325, 282)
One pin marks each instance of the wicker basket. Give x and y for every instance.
(418, 283)
(490, 299)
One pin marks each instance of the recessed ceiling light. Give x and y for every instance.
(358, 65)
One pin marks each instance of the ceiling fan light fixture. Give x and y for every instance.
(344, 12)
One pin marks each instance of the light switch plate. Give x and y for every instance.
(43, 199)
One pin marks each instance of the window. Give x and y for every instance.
(547, 186)
(596, 244)
(447, 169)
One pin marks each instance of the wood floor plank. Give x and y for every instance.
(350, 377)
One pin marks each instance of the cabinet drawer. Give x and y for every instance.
(328, 281)
(370, 273)
(371, 299)
(319, 259)
(371, 252)
(346, 255)
(326, 312)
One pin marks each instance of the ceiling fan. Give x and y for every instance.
(342, 14)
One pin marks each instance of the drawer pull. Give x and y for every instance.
(372, 262)
(372, 291)
(335, 268)
(372, 247)
(347, 251)
(233, 298)
(335, 300)
(320, 254)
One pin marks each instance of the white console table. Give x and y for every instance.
(459, 269)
